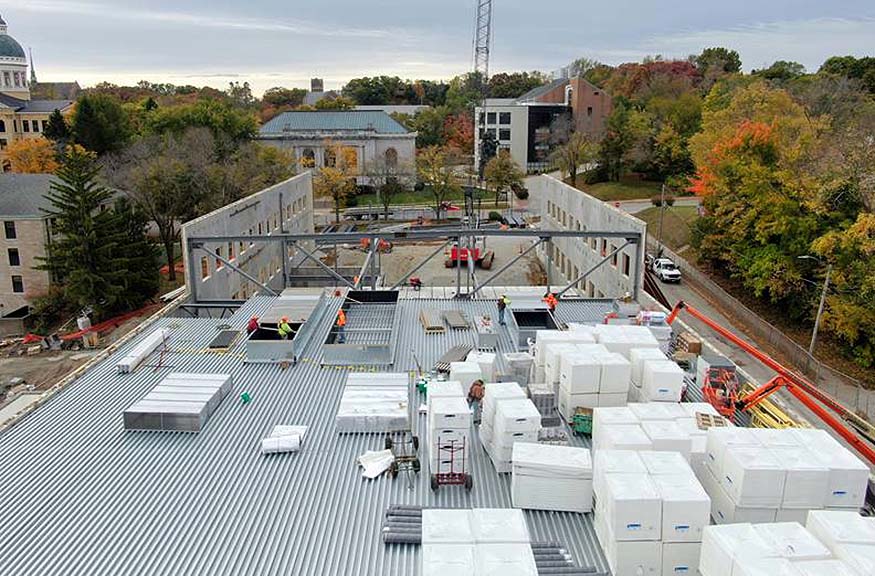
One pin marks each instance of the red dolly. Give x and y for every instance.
(453, 477)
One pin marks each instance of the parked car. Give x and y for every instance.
(665, 270)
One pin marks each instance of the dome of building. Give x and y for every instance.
(9, 47)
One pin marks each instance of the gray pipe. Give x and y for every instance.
(396, 538)
(566, 570)
(405, 519)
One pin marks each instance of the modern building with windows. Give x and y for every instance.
(370, 137)
(525, 126)
(20, 116)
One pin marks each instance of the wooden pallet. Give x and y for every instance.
(432, 322)
(457, 320)
(705, 421)
(689, 343)
(454, 354)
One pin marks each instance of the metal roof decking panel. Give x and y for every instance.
(109, 502)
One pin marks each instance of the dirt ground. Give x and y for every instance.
(405, 256)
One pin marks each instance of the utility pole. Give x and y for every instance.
(661, 216)
(820, 310)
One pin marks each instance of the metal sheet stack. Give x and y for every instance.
(374, 402)
(507, 416)
(449, 429)
(478, 542)
(761, 475)
(551, 478)
(650, 512)
(775, 549)
(660, 426)
(181, 402)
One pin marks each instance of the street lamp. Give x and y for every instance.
(822, 300)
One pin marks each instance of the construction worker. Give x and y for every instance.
(416, 283)
(341, 323)
(252, 326)
(475, 395)
(551, 301)
(284, 329)
(502, 305)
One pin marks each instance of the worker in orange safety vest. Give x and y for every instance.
(551, 301)
(341, 323)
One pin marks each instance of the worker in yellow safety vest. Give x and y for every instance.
(341, 323)
(284, 329)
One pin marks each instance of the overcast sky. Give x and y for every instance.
(285, 42)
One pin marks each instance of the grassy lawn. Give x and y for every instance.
(409, 197)
(676, 224)
(623, 190)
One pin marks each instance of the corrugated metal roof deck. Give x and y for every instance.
(82, 496)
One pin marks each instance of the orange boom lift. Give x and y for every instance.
(822, 404)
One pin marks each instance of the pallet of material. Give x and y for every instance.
(689, 343)
(455, 354)
(431, 321)
(456, 320)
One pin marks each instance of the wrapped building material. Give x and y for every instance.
(551, 478)
(374, 403)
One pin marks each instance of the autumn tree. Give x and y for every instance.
(390, 179)
(579, 150)
(337, 178)
(458, 132)
(32, 156)
(515, 84)
(503, 174)
(435, 168)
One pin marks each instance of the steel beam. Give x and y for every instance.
(416, 235)
(591, 270)
(416, 268)
(322, 265)
(237, 269)
(501, 270)
(368, 258)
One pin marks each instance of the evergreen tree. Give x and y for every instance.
(141, 280)
(86, 255)
(56, 129)
(100, 124)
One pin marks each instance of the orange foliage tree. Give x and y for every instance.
(32, 156)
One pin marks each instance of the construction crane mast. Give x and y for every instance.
(482, 41)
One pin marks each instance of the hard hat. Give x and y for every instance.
(284, 319)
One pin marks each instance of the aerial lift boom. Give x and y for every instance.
(796, 384)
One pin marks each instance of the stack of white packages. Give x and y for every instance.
(637, 357)
(623, 338)
(651, 512)
(774, 549)
(544, 339)
(764, 475)
(478, 542)
(449, 435)
(849, 536)
(283, 438)
(465, 372)
(514, 421)
(547, 477)
(660, 426)
(485, 361)
(556, 351)
(374, 402)
(590, 377)
(661, 381)
(493, 394)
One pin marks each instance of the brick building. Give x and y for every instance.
(523, 125)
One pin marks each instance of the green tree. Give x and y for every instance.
(434, 166)
(428, 125)
(514, 85)
(721, 60)
(862, 69)
(100, 124)
(781, 71)
(339, 103)
(284, 96)
(230, 127)
(502, 174)
(465, 92)
(86, 257)
(578, 151)
(240, 94)
(624, 130)
(333, 182)
(57, 129)
(141, 281)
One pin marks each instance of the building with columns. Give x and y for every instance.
(20, 116)
(369, 138)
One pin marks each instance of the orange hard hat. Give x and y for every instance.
(284, 319)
